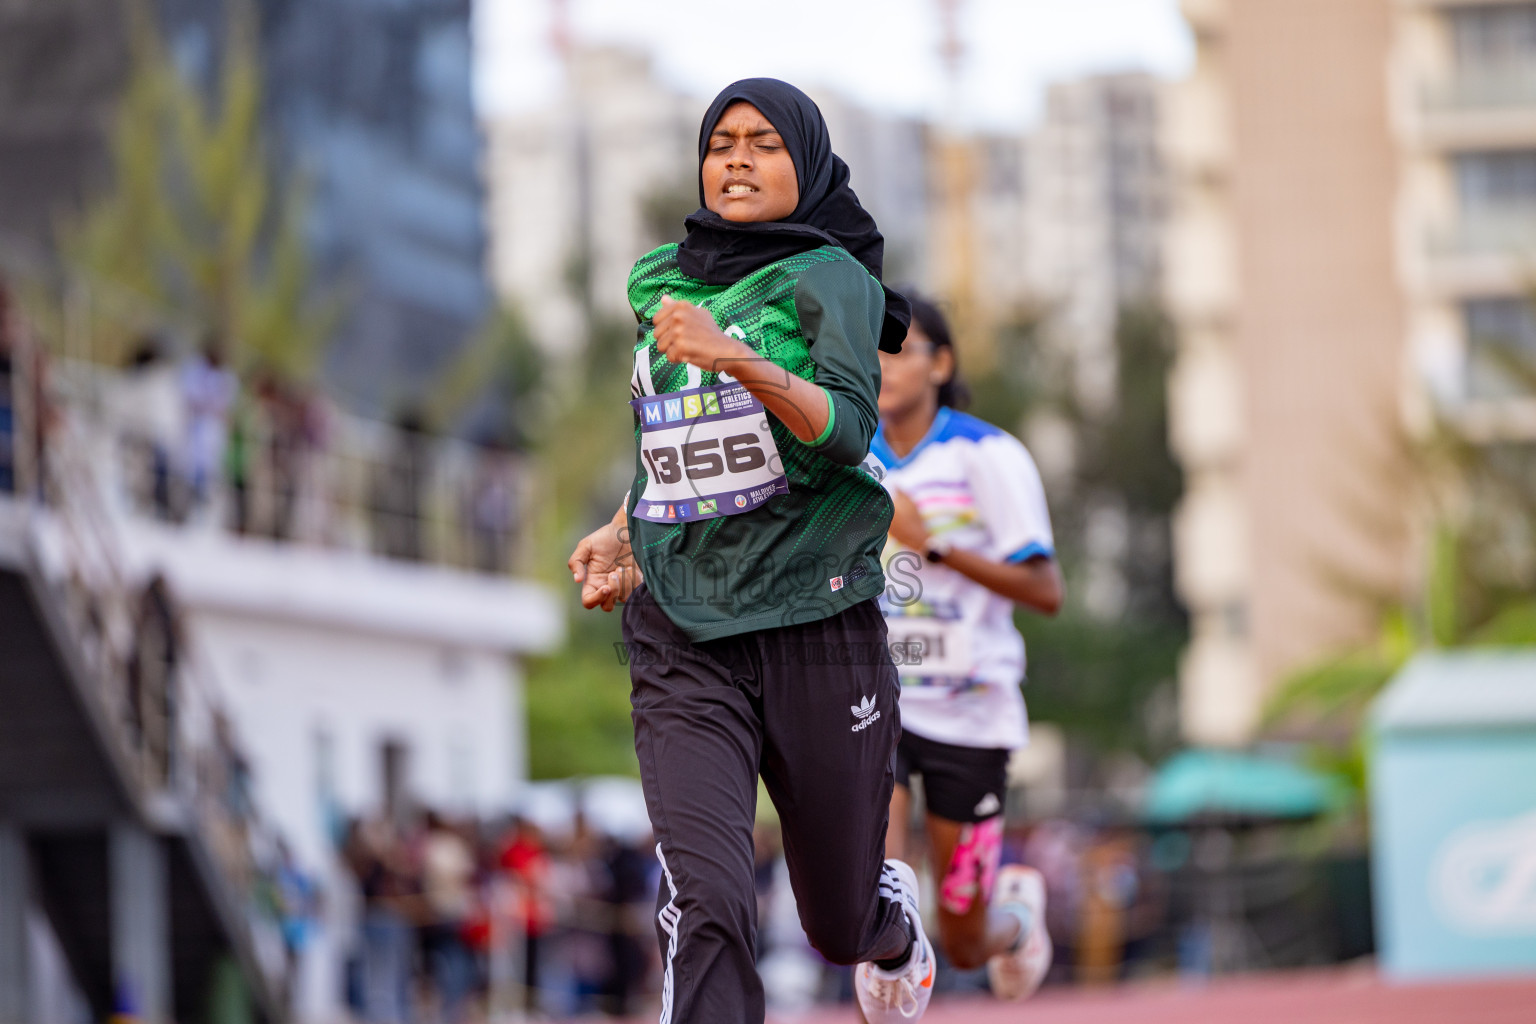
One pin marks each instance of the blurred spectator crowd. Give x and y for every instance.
(267, 457)
(459, 918)
(464, 920)
(189, 441)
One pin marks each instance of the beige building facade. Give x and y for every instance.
(1282, 276)
(1463, 79)
(1352, 244)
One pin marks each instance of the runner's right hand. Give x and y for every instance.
(604, 565)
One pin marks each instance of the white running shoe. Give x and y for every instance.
(887, 997)
(1017, 973)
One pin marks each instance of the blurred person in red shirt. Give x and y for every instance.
(524, 858)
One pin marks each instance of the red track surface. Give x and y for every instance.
(1337, 997)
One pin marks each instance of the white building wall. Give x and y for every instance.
(315, 705)
(320, 658)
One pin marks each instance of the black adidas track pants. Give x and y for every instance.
(813, 709)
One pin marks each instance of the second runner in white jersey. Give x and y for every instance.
(978, 490)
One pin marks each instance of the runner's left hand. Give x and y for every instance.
(686, 333)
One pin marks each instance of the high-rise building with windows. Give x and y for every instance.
(1093, 216)
(1286, 395)
(1353, 243)
(1464, 86)
(369, 105)
(62, 64)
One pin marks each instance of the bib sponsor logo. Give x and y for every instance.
(658, 510)
(709, 507)
(674, 409)
(738, 398)
(671, 512)
(762, 494)
(741, 501)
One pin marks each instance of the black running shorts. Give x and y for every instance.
(964, 784)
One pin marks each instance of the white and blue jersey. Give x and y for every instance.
(978, 488)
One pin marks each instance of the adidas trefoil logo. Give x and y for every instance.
(864, 714)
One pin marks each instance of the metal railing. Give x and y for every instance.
(150, 686)
(301, 471)
(291, 466)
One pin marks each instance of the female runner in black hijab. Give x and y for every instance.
(756, 646)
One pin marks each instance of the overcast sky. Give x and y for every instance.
(883, 53)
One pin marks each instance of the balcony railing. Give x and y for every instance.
(1482, 90)
(162, 712)
(334, 480)
(1506, 232)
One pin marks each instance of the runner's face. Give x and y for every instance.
(909, 377)
(748, 174)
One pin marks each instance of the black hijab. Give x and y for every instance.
(719, 251)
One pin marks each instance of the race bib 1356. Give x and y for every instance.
(707, 452)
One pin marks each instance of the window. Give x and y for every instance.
(394, 780)
(1495, 38)
(1492, 183)
(1499, 332)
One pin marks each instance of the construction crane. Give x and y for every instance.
(954, 158)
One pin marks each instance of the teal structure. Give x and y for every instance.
(1453, 800)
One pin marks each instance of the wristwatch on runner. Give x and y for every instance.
(938, 547)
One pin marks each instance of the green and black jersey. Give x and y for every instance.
(811, 552)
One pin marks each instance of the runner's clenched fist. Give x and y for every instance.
(686, 333)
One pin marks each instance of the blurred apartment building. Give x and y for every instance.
(579, 189)
(1093, 216)
(368, 105)
(1463, 80)
(62, 64)
(1353, 223)
(1088, 232)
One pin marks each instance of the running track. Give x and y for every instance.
(1332, 997)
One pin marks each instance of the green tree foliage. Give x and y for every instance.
(196, 228)
(579, 697)
(1109, 683)
(502, 366)
(1477, 585)
(578, 705)
(663, 211)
